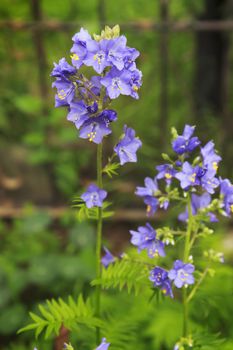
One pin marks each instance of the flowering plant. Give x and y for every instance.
(188, 177)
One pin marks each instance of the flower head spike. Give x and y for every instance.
(104, 345)
(182, 274)
(185, 142)
(108, 258)
(160, 279)
(94, 196)
(127, 147)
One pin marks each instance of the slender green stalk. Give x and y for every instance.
(99, 239)
(193, 292)
(185, 259)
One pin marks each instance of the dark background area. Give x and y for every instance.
(187, 63)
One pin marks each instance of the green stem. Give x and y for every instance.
(99, 239)
(193, 292)
(185, 259)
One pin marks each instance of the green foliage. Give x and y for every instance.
(58, 313)
(124, 273)
(207, 341)
(110, 169)
(85, 213)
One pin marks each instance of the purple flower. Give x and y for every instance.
(116, 49)
(117, 82)
(156, 249)
(127, 148)
(197, 176)
(97, 55)
(160, 279)
(108, 258)
(95, 128)
(78, 113)
(210, 157)
(226, 190)
(185, 142)
(145, 238)
(104, 345)
(150, 189)
(188, 176)
(166, 171)
(198, 202)
(65, 92)
(148, 193)
(94, 196)
(151, 205)
(79, 48)
(208, 181)
(181, 274)
(63, 69)
(135, 82)
(130, 56)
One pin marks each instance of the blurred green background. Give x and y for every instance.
(186, 79)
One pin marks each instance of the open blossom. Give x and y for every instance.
(145, 238)
(94, 196)
(210, 157)
(160, 279)
(166, 171)
(226, 190)
(197, 176)
(95, 128)
(198, 202)
(117, 83)
(185, 142)
(127, 147)
(108, 258)
(104, 345)
(182, 274)
(79, 48)
(148, 193)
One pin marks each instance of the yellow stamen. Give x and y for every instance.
(148, 208)
(168, 176)
(231, 206)
(215, 166)
(91, 136)
(61, 94)
(135, 88)
(96, 57)
(74, 56)
(164, 291)
(193, 177)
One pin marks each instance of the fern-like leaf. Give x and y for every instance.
(58, 312)
(111, 169)
(133, 275)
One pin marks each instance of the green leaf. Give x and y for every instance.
(110, 169)
(125, 273)
(57, 313)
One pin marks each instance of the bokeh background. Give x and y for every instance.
(187, 64)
